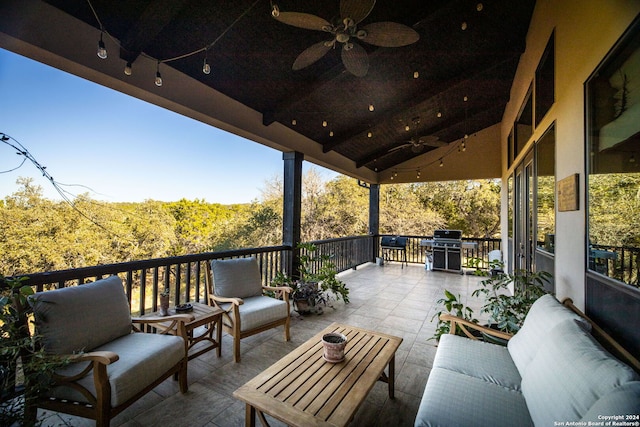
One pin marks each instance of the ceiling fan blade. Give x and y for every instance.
(311, 55)
(399, 147)
(355, 59)
(303, 20)
(389, 34)
(356, 9)
(431, 141)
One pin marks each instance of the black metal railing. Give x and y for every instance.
(416, 253)
(144, 280)
(185, 275)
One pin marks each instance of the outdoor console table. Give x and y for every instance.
(204, 315)
(302, 389)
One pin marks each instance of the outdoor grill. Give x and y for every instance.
(446, 248)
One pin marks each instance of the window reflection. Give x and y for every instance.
(545, 189)
(614, 174)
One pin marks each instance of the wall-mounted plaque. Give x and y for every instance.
(569, 193)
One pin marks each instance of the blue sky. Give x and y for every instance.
(122, 148)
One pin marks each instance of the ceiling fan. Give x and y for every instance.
(346, 32)
(417, 144)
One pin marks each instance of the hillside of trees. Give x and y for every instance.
(39, 234)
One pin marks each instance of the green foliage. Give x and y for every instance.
(505, 310)
(21, 356)
(450, 304)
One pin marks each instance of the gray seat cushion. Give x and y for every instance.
(259, 311)
(453, 399)
(81, 318)
(143, 358)
(236, 278)
(488, 362)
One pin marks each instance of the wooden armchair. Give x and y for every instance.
(235, 286)
(112, 363)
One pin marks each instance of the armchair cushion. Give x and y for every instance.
(142, 358)
(74, 319)
(259, 311)
(238, 277)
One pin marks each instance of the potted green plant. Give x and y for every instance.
(25, 369)
(316, 286)
(506, 310)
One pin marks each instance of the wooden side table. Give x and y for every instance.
(204, 315)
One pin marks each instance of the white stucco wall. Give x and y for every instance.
(585, 30)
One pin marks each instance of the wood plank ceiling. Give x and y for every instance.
(454, 81)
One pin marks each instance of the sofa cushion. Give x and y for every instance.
(623, 400)
(81, 318)
(482, 360)
(134, 370)
(258, 311)
(569, 374)
(453, 399)
(544, 314)
(238, 277)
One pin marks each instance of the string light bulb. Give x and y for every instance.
(441, 163)
(416, 74)
(330, 133)
(439, 114)
(158, 80)
(275, 10)
(294, 122)
(206, 68)
(127, 69)
(369, 134)
(464, 146)
(407, 128)
(324, 123)
(463, 26)
(371, 107)
(102, 50)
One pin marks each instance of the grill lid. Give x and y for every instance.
(447, 234)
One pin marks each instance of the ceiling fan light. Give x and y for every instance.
(361, 34)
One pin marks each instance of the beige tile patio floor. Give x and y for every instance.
(390, 299)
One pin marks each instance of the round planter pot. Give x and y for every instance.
(334, 344)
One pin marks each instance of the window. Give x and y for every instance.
(545, 81)
(545, 190)
(524, 124)
(613, 144)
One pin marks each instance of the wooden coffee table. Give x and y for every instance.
(302, 389)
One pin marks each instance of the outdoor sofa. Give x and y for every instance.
(552, 373)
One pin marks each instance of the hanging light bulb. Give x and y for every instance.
(479, 7)
(294, 122)
(463, 26)
(127, 69)
(324, 123)
(464, 146)
(371, 107)
(418, 174)
(441, 163)
(416, 74)
(158, 80)
(439, 114)
(465, 99)
(275, 10)
(407, 128)
(369, 134)
(206, 68)
(102, 50)
(330, 133)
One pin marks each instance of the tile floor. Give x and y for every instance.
(390, 299)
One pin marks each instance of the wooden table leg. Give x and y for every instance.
(250, 416)
(219, 335)
(392, 377)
